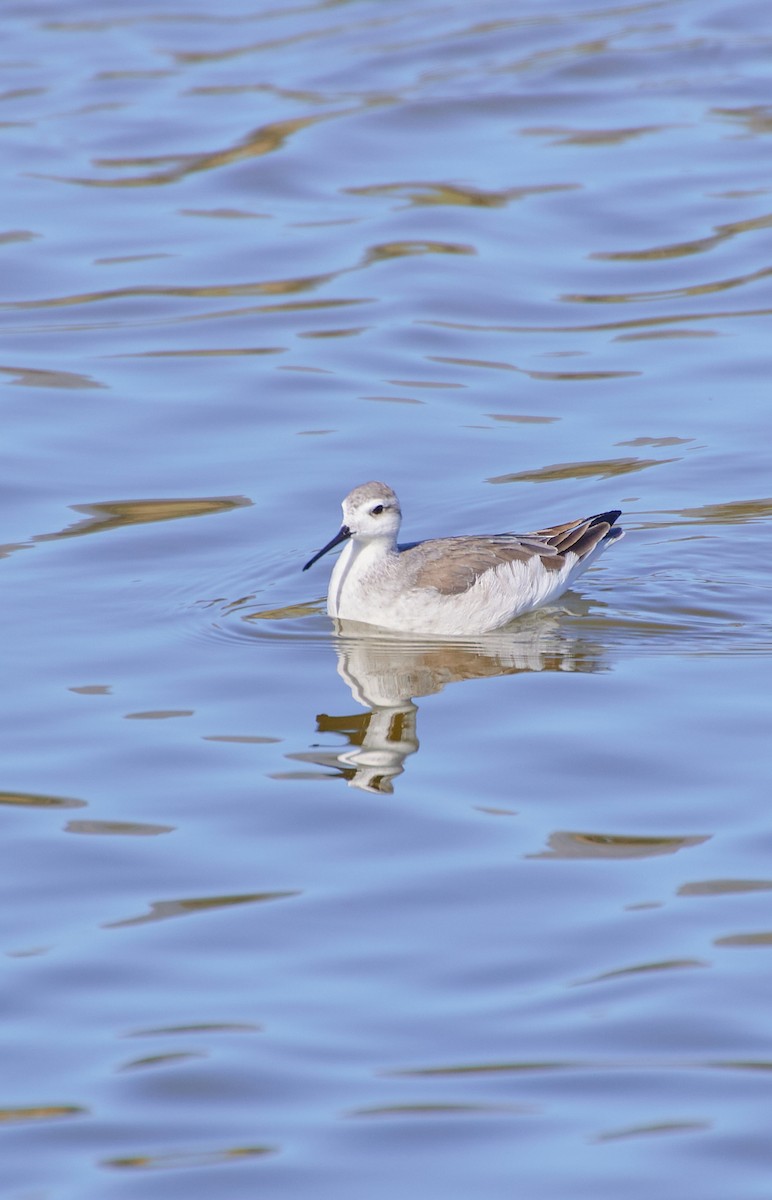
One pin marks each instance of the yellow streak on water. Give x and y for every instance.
(603, 469)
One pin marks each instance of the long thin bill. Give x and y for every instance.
(343, 533)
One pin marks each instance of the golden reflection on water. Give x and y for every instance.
(264, 46)
(351, 331)
(762, 939)
(606, 468)
(437, 1110)
(656, 441)
(486, 364)
(565, 844)
(429, 194)
(522, 419)
(756, 118)
(214, 352)
(199, 1027)
(733, 512)
(162, 910)
(172, 1058)
(378, 252)
(270, 287)
(225, 214)
(33, 800)
(402, 249)
(724, 887)
(562, 136)
(641, 322)
(557, 376)
(117, 828)
(649, 335)
(186, 1160)
(694, 246)
(488, 1068)
(9, 236)
(692, 289)
(655, 1129)
(116, 514)
(36, 377)
(159, 714)
(590, 1065)
(287, 613)
(43, 1112)
(578, 376)
(264, 140)
(671, 964)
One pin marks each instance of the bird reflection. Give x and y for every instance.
(385, 672)
(379, 741)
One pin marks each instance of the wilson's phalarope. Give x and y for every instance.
(453, 586)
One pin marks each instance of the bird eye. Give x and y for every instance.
(376, 512)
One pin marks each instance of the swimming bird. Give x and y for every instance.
(451, 586)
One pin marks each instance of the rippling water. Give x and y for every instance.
(294, 913)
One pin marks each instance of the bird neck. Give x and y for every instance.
(365, 551)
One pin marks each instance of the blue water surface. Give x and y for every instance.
(294, 912)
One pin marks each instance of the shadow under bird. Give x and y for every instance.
(452, 586)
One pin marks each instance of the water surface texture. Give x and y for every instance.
(292, 913)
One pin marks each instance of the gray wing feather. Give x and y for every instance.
(452, 565)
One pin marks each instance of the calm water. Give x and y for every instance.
(289, 914)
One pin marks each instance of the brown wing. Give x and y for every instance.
(452, 565)
(580, 537)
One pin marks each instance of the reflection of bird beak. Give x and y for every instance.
(343, 533)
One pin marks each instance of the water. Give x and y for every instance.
(295, 914)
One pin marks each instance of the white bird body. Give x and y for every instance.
(454, 586)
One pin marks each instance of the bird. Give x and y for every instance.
(451, 586)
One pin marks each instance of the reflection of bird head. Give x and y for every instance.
(379, 742)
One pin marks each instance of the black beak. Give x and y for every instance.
(343, 533)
